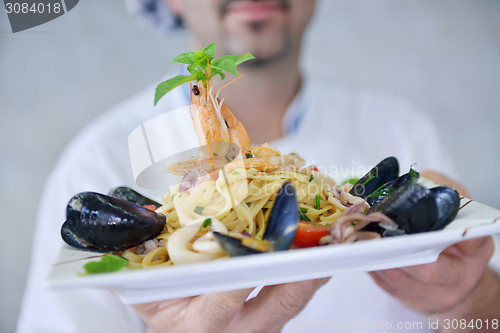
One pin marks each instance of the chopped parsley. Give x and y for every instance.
(207, 222)
(228, 160)
(248, 155)
(311, 178)
(352, 181)
(369, 179)
(214, 154)
(318, 198)
(198, 210)
(235, 173)
(303, 216)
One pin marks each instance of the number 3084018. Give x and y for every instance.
(34, 8)
(474, 324)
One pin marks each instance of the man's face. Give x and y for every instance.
(269, 29)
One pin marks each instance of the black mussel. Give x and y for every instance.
(380, 194)
(411, 206)
(448, 203)
(244, 246)
(284, 219)
(100, 223)
(386, 171)
(280, 232)
(128, 194)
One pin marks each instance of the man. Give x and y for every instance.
(330, 126)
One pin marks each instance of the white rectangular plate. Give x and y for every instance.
(147, 285)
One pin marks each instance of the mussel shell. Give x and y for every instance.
(232, 246)
(448, 204)
(128, 194)
(387, 170)
(100, 223)
(411, 206)
(381, 194)
(284, 219)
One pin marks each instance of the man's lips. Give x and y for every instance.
(255, 11)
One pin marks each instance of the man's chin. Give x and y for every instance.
(267, 51)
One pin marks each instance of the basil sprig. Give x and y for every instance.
(203, 67)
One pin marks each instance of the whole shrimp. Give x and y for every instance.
(214, 125)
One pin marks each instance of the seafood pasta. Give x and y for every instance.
(236, 198)
(255, 192)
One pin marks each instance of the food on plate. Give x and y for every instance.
(236, 198)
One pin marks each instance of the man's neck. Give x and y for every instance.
(260, 98)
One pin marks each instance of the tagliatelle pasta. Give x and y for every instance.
(242, 205)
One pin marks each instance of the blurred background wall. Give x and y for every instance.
(444, 56)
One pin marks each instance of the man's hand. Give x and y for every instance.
(459, 285)
(444, 285)
(229, 311)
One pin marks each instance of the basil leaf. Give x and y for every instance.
(170, 84)
(243, 58)
(202, 64)
(108, 263)
(210, 50)
(184, 58)
(227, 65)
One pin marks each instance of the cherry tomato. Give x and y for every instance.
(308, 234)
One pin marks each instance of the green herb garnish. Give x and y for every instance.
(214, 154)
(228, 160)
(235, 173)
(108, 263)
(311, 178)
(207, 222)
(352, 181)
(318, 198)
(369, 179)
(303, 216)
(202, 66)
(248, 155)
(198, 210)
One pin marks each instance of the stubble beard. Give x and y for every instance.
(263, 57)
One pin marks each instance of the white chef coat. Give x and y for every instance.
(329, 125)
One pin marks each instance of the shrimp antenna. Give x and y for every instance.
(229, 83)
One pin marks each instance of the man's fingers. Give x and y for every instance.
(215, 311)
(412, 294)
(275, 305)
(446, 271)
(477, 246)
